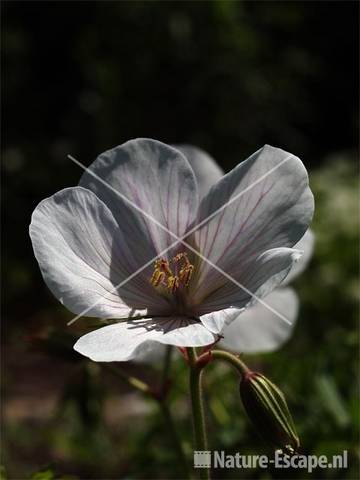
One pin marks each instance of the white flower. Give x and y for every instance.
(88, 240)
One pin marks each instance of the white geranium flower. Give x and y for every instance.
(256, 329)
(88, 240)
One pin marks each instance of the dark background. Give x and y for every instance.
(82, 77)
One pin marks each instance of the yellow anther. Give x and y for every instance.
(164, 266)
(185, 274)
(163, 275)
(186, 270)
(157, 277)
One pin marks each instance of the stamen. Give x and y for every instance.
(164, 264)
(157, 277)
(173, 283)
(181, 255)
(163, 274)
(187, 270)
(185, 274)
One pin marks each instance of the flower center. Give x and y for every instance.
(173, 278)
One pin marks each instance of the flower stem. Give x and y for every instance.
(200, 439)
(232, 360)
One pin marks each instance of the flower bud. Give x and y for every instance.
(267, 409)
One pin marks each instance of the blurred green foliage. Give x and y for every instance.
(81, 77)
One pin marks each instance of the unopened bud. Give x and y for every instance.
(267, 409)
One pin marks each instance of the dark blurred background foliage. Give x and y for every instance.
(82, 77)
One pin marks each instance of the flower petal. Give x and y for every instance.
(125, 341)
(215, 321)
(207, 171)
(154, 177)
(83, 254)
(306, 244)
(266, 203)
(153, 353)
(259, 329)
(256, 280)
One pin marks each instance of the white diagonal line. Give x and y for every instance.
(181, 239)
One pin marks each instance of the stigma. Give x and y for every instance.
(172, 278)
